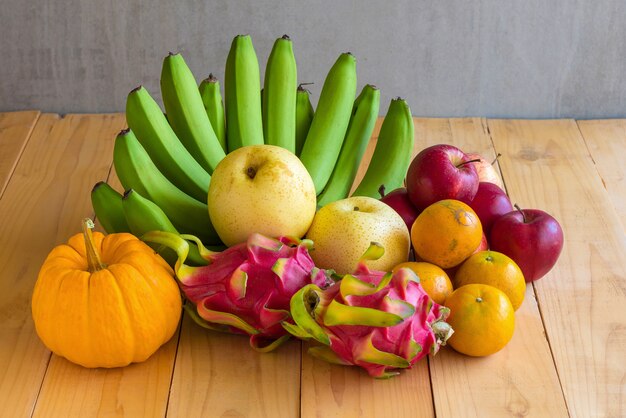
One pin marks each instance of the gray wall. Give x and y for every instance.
(495, 58)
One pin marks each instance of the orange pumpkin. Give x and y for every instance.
(105, 301)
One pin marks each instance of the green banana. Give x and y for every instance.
(330, 122)
(145, 118)
(279, 96)
(212, 99)
(136, 171)
(144, 216)
(392, 154)
(304, 116)
(186, 114)
(107, 203)
(242, 90)
(364, 115)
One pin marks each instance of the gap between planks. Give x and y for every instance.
(16, 125)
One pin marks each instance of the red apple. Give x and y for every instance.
(531, 237)
(400, 202)
(490, 203)
(441, 172)
(486, 171)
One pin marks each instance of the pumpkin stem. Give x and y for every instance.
(93, 258)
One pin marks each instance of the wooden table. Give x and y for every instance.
(567, 357)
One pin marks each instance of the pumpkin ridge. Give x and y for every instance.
(69, 256)
(152, 273)
(70, 333)
(42, 293)
(125, 309)
(119, 248)
(163, 279)
(153, 314)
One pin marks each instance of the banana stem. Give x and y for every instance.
(94, 263)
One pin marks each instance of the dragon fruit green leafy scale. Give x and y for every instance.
(379, 321)
(247, 288)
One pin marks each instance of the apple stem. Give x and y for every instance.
(381, 190)
(516, 206)
(467, 162)
(496, 159)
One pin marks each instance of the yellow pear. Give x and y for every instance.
(343, 230)
(261, 188)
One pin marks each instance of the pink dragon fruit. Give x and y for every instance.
(245, 289)
(379, 321)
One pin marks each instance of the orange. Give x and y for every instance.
(446, 233)
(433, 279)
(482, 318)
(495, 269)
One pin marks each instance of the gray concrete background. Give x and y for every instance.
(494, 58)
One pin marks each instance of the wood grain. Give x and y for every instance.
(461, 386)
(606, 141)
(566, 357)
(583, 298)
(336, 391)
(520, 380)
(138, 390)
(72, 391)
(44, 201)
(344, 391)
(15, 130)
(499, 385)
(219, 375)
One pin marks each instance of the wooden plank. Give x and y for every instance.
(583, 298)
(606, 141)
(342, 391)
(15, 129)
(44, 201)
(23, 359)
(220, 375)
(499, 385)
(138, 390)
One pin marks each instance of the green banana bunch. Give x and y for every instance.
(144, 216)
(304, 116)
(186, 114)
(212, 99)
(392, 154)
(279, 96)
(146, 120)
(107, 203)
(242, 89)
(136, 171)
(330, 122)
(364, 115)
